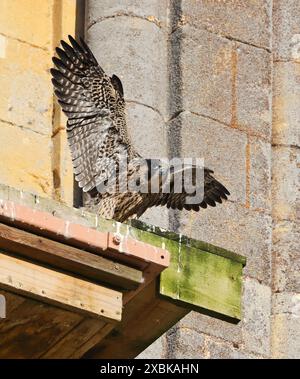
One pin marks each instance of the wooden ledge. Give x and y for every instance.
(69, 259)
(78, 286)
(111, 244)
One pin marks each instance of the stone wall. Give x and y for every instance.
(220, 80)
(285, 183)
(33, 152)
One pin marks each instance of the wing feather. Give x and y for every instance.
(94, 105)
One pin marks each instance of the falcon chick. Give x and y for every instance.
(102, 154)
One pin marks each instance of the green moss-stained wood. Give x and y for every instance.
(200, 275)
(204, 280)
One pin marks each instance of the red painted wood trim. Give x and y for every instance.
(123, 249)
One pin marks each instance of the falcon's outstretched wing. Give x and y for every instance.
(203, 191)
(94, 105)
(212, 192)
(99, 142)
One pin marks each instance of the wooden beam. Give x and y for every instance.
(101, 241)
(60, 289)
(69, 258)
(145, 318)
(200, 279)
(201, 276)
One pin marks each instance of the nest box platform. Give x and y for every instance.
(74, 285)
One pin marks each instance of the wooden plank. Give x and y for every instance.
(201, 279)
(58, 288)
(96, 338)
(101, 241)
(69, 258)
(33, 327)
(200, 276)
(145, 318)
(73, 344)
(133, 250)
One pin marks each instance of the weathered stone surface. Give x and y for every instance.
(212, 326)
(286, 303)
(143, 71)
(286, 336)
(202, 80)
(253, 91)
(184, 343)
(155, 11)
(223, 149)
(286, 252)
(147, 130)
(154, 351)
(235, 228)
(257, 312)
(260, 173)
(285, 184)
(286, 93)
(27, 98)
(24, 20)
(217, 349)
(157, 216)
(248, 21)
(24, 169)
(286, 27)
(62, 169)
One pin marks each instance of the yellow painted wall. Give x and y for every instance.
(33, 149)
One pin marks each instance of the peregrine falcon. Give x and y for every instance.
(101, 148)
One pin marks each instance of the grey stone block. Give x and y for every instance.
(253, 91)
(286, 336)
(155, 11)
(256, 317)
(184, 343)
(134, 50)
(248, 21)
(286, 252)
(286, 303)
(158, 216)
(260, 174)
(286, 27)
(147, 130)
(224, 350)
(223, 149)
(212, 327)
(286, 93)
(203, 75)
(285, 184)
